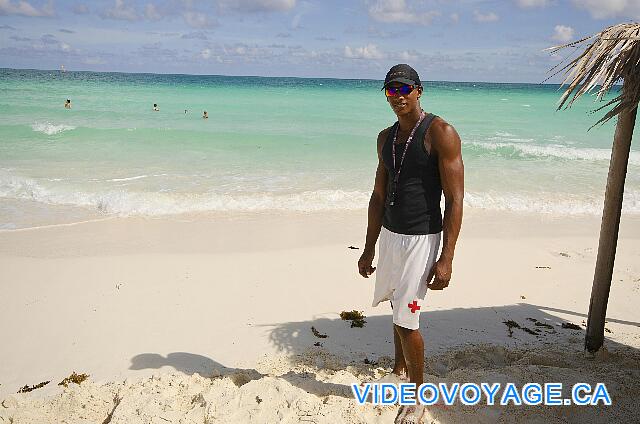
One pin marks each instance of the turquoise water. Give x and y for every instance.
(275, 144)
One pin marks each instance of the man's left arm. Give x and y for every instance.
(446, 143)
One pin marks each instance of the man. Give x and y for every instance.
(419, 158)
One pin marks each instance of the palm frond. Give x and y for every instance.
(613, 55)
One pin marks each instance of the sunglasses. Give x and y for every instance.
(398, 91)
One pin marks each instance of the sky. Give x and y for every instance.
(445, 40)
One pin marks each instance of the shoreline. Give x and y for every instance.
(477, 223)
(237, 295)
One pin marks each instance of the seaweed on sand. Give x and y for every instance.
(318, 334)
(26, 388)
(356, 318)
(73, 378)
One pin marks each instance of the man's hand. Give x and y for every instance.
(441, 274)
(364, 263)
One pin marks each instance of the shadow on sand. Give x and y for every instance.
(473, 343)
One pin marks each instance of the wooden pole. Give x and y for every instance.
(609, 230)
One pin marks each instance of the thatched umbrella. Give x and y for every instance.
(613, 55)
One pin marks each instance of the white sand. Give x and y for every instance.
(147, 307)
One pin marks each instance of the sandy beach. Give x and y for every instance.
(208, 319)
(159, 267)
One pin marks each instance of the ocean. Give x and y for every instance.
(276, 144)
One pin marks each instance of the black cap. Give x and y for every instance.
(402, 73)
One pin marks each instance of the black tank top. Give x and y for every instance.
(416, 208)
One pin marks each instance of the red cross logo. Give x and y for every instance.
(414, 306)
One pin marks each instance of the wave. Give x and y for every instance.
(137, 177)
(552, 151)
(125, 203)
(122, 202)
(51, 129)
(555, 204)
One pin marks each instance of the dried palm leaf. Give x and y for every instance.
(614, 55)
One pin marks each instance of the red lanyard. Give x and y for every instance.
(406, 147)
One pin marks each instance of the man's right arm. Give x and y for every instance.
(375, 212)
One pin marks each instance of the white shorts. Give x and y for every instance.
(404, 262)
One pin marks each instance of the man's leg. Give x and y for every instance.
(400, 365)
(412, 347)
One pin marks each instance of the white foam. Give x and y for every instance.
(557, 151)
(556, 204)
(122, 202)
(511, 139)
(137, 177)
(51, 129)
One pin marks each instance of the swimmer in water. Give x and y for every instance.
(156, 108)
(67, 104)
(205, 115)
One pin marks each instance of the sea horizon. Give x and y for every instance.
(278, 76)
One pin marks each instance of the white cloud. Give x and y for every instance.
(397, 11)
(243, 53)
(151, 12)
(484, 17)
(257, 5)
(49, 43)
(205, 54)
(563, 33)
(555, 57)
(24, 8)
(370, 51)
(408, 56)
(121, 11)
(455, 18)
(528, 4)
(603, 9)
(197, 20)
